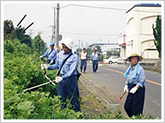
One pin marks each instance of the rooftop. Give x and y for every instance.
(145, 5)
(103, 44)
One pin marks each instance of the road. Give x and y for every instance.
(108, 83)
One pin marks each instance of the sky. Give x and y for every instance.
(78, 21)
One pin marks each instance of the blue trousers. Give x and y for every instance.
(134, 102)
(68, 89)
(83, 64)
(95, 65)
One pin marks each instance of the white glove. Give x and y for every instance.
(134, 89)
(51, 61)
(126, 88)
(58, 79)
(44, 66)
(40, 57)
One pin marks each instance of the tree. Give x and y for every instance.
(157, 34)
(98, 48)
(24, 38)
(89, 52)
(38, 45)
(8, 28)
(78, 51)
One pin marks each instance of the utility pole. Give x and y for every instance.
(53, 28)
(57, 27)
(79, 46)
(53, 36)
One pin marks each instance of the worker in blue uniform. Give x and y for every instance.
(94, 58)
(67, 81)
(51, 54)
(135, 80)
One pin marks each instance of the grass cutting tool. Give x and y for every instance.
(53, 82)
(121, 96)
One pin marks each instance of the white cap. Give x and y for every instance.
(68, 42)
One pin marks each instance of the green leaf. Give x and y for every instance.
(26, 105)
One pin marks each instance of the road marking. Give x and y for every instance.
(156, 83)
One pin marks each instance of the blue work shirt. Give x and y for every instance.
(70, 66)
(94, 56)
(52, 55)
(139, 80)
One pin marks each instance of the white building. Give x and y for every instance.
(122, 45)
(106, 46)
(139, 32)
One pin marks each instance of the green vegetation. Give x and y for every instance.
(157, 34)
(22, 70)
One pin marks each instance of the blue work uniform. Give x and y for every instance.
(135, 102)
(68, 87)
(94, 58)
(51, 54)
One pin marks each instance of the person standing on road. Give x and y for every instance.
(84, 58)
(94, 58)
(135, 80)
(67, 80)
(51, 54)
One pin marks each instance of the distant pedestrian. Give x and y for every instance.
(94, 58)
(84, 58)
(135, 80)
(51, 54)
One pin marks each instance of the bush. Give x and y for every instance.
(22, 70)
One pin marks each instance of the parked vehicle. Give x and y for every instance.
(112, 59)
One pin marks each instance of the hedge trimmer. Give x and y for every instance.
(50, 81)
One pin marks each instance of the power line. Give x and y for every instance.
(89, 34)
(42, 13)
(108, 8)
(98, 7)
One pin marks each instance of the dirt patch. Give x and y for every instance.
(91, 106)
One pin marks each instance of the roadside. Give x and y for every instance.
(100, 91)
(95, 104)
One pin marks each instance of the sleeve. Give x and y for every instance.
(54, 66)
(46, 53)
(141, 77)
(55, 55)
(73, 67)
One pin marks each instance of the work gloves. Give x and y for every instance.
(58, 79)
(40, 57)
(134, 89)
(51, 61)
(126, 88)
(44, 66)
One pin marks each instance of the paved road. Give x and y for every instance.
(108, 84)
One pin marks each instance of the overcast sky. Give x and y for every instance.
(87, 24)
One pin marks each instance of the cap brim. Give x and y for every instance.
(140, 57)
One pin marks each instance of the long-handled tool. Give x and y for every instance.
(121, 96)
(50, 81)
